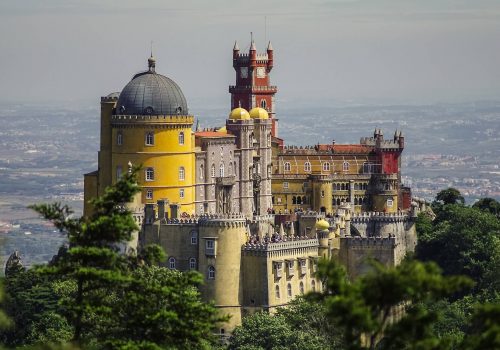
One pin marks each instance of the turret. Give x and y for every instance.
(253, 55)
(270, 57)
(401, 140)
(236, 52)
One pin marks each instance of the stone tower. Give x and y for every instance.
(253, 87)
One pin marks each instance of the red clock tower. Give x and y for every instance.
(252, 87)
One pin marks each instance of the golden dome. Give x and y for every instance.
(322, 225)
(222, 130)
(258, 113)
(239, 114)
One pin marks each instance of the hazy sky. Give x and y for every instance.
(337, 51)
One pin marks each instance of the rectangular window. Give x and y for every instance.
(149, 138)
(285, 185)
(181, 193)
(118, 172)
(210, 247)
(149, 194)
(390, 203)
(150, 174)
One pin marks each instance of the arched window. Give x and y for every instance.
(289, 290)
(301, 287)
(150, 138)
(211, 273)
(263, 103)
(182, 173)
(212, 172)
(356, 186)
(202, 171)
(250, 140)
(322, 194)
(355, 201)
(192, 263)
(294, 200)
(287, 166)
(313, 285)
(194, 237)
(299, 200)
(338, 201)
(304, 200)
(119, 138)
(277, 291)
(221, 170)
(150, 174)
(307, 166)
(345, 166)
(235, 169)
(342, 187)
(171, 263)
(118, 172)
(326, 166)
(181, 138)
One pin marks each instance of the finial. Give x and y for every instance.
(236, 48)
(269, 46)
(239, 104)
(252, 46)
(151, 60)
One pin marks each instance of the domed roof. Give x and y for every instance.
(149, 93)
(322, 225)
(222, 130)
(258, 113)
(239, 114)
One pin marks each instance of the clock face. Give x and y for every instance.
(261, 72)
(244, 72)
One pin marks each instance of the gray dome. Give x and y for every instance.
(150, 93)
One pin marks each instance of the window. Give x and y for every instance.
(322, 194)
(307, 166)
(192, 263)
(150, 138)
(150, 174)
(301, 287)
(213, 170)
(263, 104)
(285, 185)
(313, 286)
(345, 166)
(194, 236)
(390, 203)
(326, 166)
(119, 138)
(211, 272)
(171, 263)
(277, 291)
(202, 170)
(181, 138)
(230, 171)
(289, 290)
(210, 247)
(149, 194)
(182, 173)
(118, 172)
(181, 193)
(269, 140)
(287, 166)
(221, 170)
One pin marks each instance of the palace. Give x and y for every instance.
(235, 203)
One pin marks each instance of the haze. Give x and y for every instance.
(326, 52)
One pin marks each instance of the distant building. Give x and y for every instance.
(233, 202)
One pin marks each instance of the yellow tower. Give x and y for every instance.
(148, 125)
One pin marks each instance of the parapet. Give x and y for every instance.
(266, 247)
(369, 242)
(160, 119)
(379, 216)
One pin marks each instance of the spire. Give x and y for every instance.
(269, 46)
(252, 45)
(236, 47)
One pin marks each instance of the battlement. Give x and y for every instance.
(378, 216)
(254, 88)
(262, 218)
(160, 119)
(369, 242)
(279, 246)
(112, 98)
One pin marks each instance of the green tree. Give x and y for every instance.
(484, 332)
(450, 196)
(462, 241)
(367, 309)
(116, 300)
(489, 205)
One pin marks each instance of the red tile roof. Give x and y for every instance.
(347, 149)
(211, 134)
